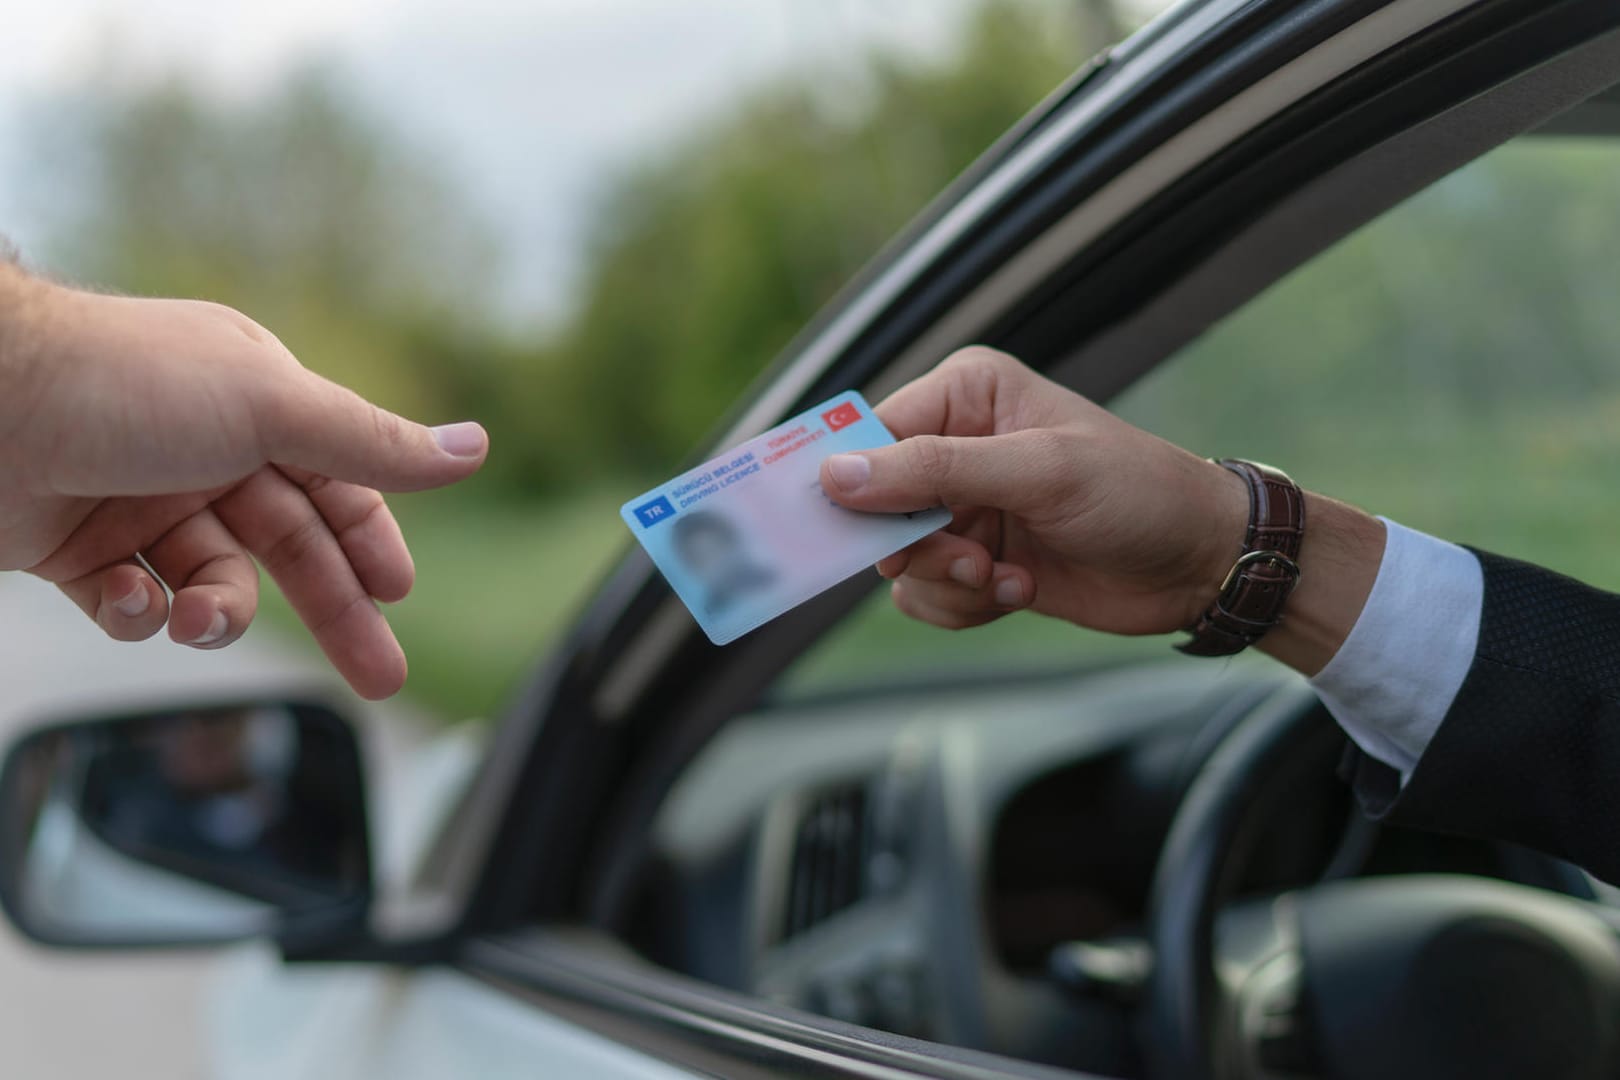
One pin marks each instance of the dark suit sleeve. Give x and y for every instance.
(1530, 748)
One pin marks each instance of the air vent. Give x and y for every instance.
(829, 858)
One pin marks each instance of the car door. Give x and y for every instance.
(1166, 185)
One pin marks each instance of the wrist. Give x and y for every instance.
(1223, 526)
(1338, 562)
(1256, 588)
(22, 302)
(20, 297)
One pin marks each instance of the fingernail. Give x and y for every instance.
(849, 471)
(961, 572)
(216, 631)
(1010, 592)
(464, 440)
(135, 604)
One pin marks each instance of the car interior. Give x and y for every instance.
(968, 846)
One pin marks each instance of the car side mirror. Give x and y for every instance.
(186, 827)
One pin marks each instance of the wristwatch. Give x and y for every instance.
(1267, 569)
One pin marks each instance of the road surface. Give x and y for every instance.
(65, 1016)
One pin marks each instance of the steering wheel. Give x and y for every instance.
(1386, 978)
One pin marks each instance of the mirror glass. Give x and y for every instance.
(192, 825)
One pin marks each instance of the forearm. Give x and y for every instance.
(18, 296)
(1338, 563)
(23, 329)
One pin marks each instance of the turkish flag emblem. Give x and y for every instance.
(841, 417)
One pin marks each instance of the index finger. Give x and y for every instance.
(367, 531)
(275, 520)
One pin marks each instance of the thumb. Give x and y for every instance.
(930, 470)
(330, 430)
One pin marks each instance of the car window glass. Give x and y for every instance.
(1452, 366)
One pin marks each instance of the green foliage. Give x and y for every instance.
(709, 257)
(298, 209)
(315, 217)
(1482, 301)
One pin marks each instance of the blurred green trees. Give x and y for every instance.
(710, 251)
(298, 209)
(709, 258)
(706, 255)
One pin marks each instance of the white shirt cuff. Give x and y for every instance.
(1393, 680)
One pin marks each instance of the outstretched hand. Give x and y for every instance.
(184, 433)
(1060, 506)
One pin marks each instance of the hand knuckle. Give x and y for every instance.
(984, 359)
(281, 410)
(243, 325)
(931, 459)
(300, 541)
(1045, 446)
(387, 428)
(1057, 462)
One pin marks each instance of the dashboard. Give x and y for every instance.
(908, 859)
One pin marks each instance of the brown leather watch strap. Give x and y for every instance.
(1267, 569)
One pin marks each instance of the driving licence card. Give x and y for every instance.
(751, 534)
